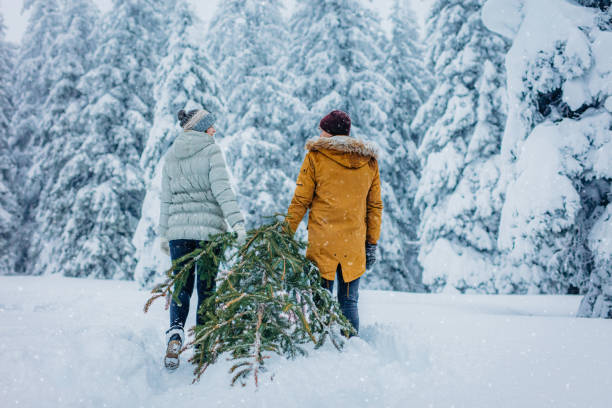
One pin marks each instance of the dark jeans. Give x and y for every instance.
(178, 314)
(348, 295)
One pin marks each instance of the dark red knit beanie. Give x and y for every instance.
(336, 123)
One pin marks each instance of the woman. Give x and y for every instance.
(339, 183)
(196, 202)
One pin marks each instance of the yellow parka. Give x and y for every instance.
(339, 183)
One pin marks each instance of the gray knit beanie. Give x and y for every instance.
(198, 119)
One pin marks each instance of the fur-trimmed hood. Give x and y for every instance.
(345, 150)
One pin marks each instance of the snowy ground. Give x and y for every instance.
(86, 343)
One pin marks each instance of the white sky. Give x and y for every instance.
(16, 22)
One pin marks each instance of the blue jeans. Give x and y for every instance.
(348, 295)
(205, 287)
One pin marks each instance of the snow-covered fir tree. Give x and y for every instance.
(32, 88)
(405, 69)
(335, 57)
(106, 186)
(597, 301)
(460, 129)
(556, 221)
(604, 5)
(7, 65)
(59, 137)
(248, 42)
(9, 209)
(185, 79)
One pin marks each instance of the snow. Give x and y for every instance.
(5, 216)
(543, 200)
(600, 80)
(503, 16)
(575, 93)
(601, 236)
(460, 267)
(608, 104)
(539, 185)
(83, 342)
(534, 39)
(542, 57)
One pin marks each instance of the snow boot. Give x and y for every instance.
(174, 338)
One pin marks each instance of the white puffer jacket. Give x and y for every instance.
(196, 197)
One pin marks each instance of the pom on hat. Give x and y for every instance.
(198, 119)
(184, 117)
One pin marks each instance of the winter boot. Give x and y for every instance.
(174, 337)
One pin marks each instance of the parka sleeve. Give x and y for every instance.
(304, 193)
(165, 200)
(374, 209)
(222, 188)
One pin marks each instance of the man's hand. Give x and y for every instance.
(370, 255)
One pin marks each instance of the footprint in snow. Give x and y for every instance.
(398, 345)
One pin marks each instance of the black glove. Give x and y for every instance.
(370, 255)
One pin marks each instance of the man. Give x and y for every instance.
(339, 183)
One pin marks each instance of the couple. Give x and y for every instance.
(339, 183)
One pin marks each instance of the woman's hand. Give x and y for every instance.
(241, 231)
(164, 246)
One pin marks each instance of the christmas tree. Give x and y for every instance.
(270, 301)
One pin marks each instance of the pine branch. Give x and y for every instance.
(177, 278)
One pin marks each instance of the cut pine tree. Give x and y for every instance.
(270, 301)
